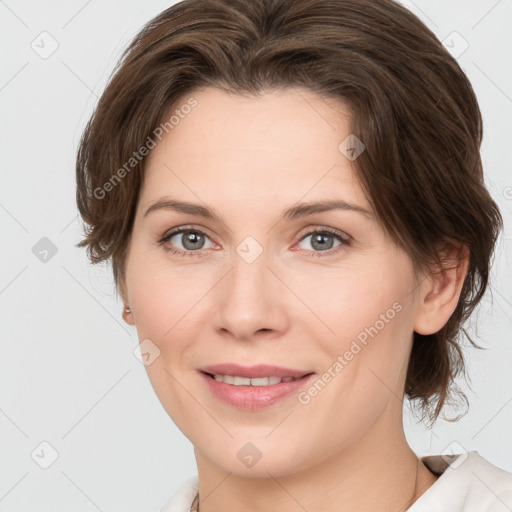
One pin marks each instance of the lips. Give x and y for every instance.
(253, 397)
(254, 372)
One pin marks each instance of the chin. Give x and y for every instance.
(257, 458)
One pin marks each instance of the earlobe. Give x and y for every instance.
(128, 316)
(127, 312)
(440, 291)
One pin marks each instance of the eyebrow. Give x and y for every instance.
(294, 212)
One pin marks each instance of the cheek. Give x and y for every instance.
(365, 360)
(167, 301)
(366, 325)
(153, 289)
(356, 301)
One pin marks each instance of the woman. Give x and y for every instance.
(292, 197)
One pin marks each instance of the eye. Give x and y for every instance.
(186, 241)
(190, 241)
(323, 240)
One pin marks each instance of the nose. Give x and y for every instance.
(251, 300)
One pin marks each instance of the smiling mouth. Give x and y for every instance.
(236, 380)
(253, 394)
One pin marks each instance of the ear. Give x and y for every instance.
(440, 290)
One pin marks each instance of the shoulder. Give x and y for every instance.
(181, 500)
(468, 483)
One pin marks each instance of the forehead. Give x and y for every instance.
(222, 120)
(283, 144)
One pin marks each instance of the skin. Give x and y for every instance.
(249, 158)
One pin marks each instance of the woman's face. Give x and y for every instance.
(318, 291)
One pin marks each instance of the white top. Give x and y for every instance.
(467, 483)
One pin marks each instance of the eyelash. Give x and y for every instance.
(344, 239)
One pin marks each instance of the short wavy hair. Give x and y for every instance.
(410, 103)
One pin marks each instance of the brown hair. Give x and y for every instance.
(411, 105)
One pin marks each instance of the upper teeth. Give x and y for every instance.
(246, 381)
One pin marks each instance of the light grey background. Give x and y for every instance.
(68, 374)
